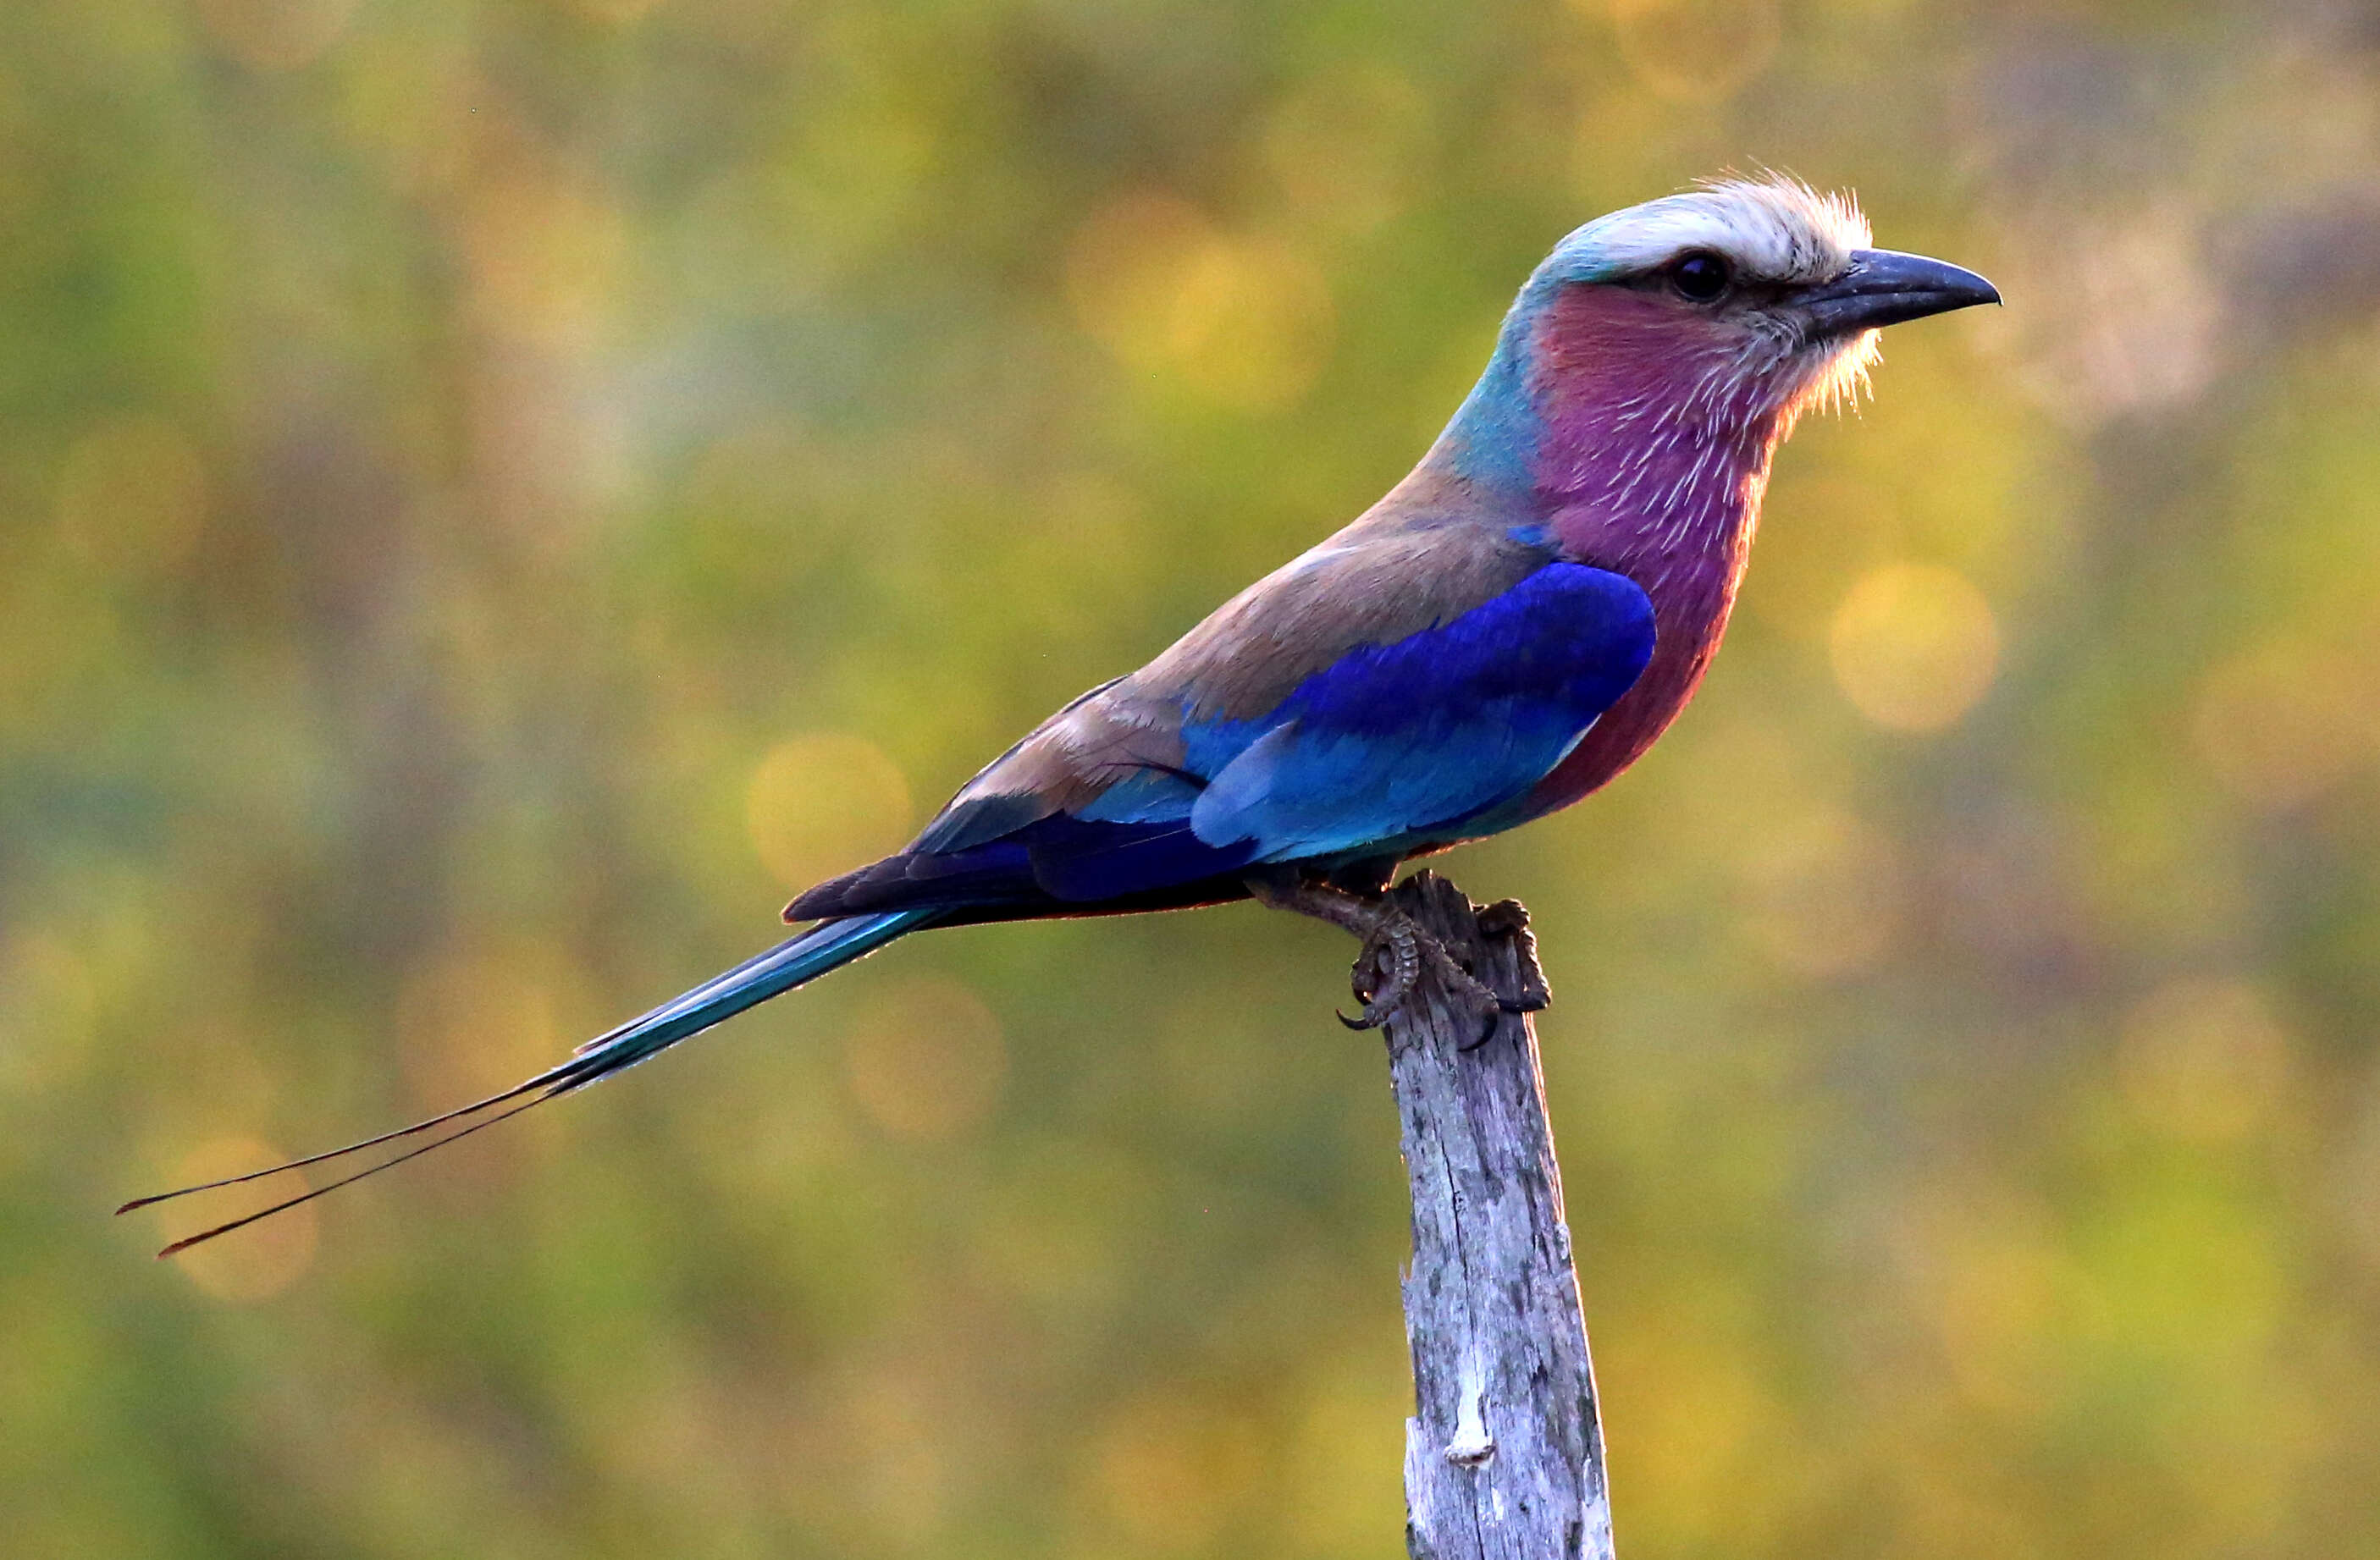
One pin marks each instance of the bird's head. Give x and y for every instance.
(1729, 308)
(1760, 282)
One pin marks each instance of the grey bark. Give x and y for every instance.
(1504, 1453)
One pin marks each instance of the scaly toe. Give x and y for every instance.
(1460, 983)
(1382, 1007)
(1394, 950)
(1470, 991)
(1504, 918)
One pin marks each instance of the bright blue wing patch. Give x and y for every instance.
(1388, 748)
(1394, 744)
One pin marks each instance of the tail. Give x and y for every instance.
(826, 947)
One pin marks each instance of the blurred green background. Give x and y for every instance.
(495, 495)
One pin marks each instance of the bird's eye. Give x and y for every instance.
(1700, 276)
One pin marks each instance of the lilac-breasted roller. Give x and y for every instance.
(1509, 628)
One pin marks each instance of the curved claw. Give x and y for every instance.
(1383, 1004)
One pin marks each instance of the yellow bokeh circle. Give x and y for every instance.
(248, 1264)
(2203, 1058)
(824, 803)
(132, 495)
(1696, 51)
(1244, 320)
(274, 35)
(1914, 646)
(927, 1061)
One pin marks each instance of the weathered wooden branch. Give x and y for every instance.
(1504, 1453)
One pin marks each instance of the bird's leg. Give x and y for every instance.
(1394, 945)
(1369, 878)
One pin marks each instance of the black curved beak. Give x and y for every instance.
(1884, 287)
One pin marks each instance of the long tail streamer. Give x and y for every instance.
(826, 947)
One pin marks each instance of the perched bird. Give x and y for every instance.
(1509, 628)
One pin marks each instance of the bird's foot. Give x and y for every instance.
(1395, 952)
(1398, 951)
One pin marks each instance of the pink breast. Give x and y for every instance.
(1656, 451)
(1688, 638)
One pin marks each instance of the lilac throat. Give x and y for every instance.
(1653, 454)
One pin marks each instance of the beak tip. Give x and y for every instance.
(1885, 287)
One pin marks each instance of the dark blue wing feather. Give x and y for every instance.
(1395, 745)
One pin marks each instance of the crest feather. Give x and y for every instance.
(1773, 227)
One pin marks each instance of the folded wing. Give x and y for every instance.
(1293, 726)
